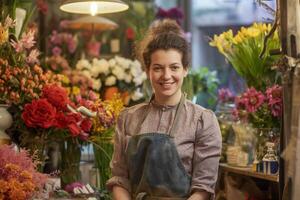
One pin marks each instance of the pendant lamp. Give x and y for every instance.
(93, 7)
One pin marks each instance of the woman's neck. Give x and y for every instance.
(168, 101)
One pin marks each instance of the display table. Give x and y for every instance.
(248, 172)
(243, 182)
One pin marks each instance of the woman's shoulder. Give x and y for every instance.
(198, 109)
(132, 110)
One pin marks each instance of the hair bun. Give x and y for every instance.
(165, 26)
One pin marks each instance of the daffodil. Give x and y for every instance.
(242, 50)
(3, 34)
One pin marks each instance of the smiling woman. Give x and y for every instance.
(168, 148)
(166, 75)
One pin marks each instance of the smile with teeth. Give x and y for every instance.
(166, 85)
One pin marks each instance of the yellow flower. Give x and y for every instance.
(75, 90)
(3, 34)
(65, 79)
(253, 32)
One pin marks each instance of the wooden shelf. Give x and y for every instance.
(248, 172)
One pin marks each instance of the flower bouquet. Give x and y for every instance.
(263, 111)
(116, 75)
(242, 50)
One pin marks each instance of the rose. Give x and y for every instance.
(74, 129)
(39, 113)
(56, 95)
(86, 125)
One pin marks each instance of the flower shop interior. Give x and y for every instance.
(69, 67)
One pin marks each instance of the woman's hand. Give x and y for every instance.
(120, 193)
(199, 196)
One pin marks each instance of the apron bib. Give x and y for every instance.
(155, 168)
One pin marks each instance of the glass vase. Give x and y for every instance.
(265, 135)
(70, 150)
(103, 151)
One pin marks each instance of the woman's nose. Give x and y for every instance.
(166, 74)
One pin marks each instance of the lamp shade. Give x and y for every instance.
(93, 7)
(92, 23)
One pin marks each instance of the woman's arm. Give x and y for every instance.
(199, 196)
(120, 193)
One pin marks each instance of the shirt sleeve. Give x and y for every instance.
(118, 163)
(208, 144)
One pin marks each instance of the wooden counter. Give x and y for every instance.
(248, 172)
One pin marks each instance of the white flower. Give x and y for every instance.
(119, 72)
(112, 62)
(137, 94)
(87, 74)
(138, 80)
(83, 64)
(136, 69)
(128, 78)
(96, 84)
(111, 80)
(99, 67)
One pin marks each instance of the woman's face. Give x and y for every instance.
(166, 73)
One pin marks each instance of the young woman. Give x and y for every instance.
(168, 148)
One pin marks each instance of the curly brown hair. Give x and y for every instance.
(163, 34)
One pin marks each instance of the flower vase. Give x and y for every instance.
(103, 151)
(70, 161)
(5, 123)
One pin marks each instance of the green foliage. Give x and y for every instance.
(202, 83)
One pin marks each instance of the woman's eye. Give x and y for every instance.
(157, 68)
(174, 68)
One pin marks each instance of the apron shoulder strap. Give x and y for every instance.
(179, 108)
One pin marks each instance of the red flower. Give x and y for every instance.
(56, 95)
(73, 118)
(39, 113)
(86, 125)
(74, 129)
(130, 33)
(61, 120)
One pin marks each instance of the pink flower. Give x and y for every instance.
(92, 95)
(18, 46)
(56, 51)
(70, 187)
(55, 38)
(274, 93)
(72, 44)
(27, 39)
(64, 23)
(93, 48)
(253, 99)
(33, 57)
(225, 95)
(274, 98)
